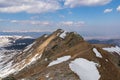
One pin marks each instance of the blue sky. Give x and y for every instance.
(88, 17)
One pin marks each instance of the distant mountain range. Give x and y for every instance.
(109, 41)
(32, 34)
(15, 42)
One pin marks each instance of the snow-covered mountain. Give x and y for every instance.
(15, 42)
(62, 56)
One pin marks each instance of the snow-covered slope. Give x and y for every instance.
(7, 55)
(113, 49)
(6, 61)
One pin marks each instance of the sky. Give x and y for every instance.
(100, 18)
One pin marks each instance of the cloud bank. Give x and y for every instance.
(74, 3)
(41, 6)
(47, 23)
(29, 6)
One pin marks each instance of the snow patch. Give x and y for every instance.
(45, 35)
(63, 35)
(106, 60)
(35, 58)
(98, 54)
(59, 60)
(28, 47)
(113, 49)
(47, 75)
(46, 59)
(86, 70)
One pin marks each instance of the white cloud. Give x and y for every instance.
(118, 8)
(41, 6)
(29, 6)
(72, 24)
(14, 9)
(74, 3)
(32, 22)
(47, 23)
(108, 10)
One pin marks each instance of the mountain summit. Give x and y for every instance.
(63, 56)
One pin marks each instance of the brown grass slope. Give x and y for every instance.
(53, 47)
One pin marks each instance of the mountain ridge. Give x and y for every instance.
(57, 57)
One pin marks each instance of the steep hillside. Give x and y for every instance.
(9, 47)
(63, 56)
